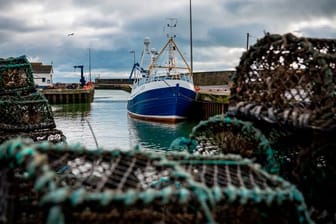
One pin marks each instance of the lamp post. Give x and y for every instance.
(90, 64)
(133, 52)
(191, 43)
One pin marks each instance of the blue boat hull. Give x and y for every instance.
(168, 104)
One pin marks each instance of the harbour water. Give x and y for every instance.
(112, 127)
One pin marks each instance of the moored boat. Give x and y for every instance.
(164, 91)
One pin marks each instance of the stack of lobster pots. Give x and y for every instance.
(24, 111)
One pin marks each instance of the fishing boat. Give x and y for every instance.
(163, 89)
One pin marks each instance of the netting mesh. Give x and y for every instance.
(76, 185)
(282, 115)
(225, 135)
(52, 135)
(23, 110)
(287, 80)
(305, 158)
(286, 86)
(25, 113)
(16, 76)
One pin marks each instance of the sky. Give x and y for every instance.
(104, 33)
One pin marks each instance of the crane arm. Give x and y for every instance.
(136, 66)
(82, 79)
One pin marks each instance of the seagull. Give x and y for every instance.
(71, 34)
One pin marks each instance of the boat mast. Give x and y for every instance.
(171, 59)
(191, 40)
(171, 47)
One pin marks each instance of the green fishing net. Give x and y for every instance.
(282, 115)
(72, 184)
(16, 75)
(285, 85)
(221, 134)
(247, 166)
(25, 113)
(23, 110)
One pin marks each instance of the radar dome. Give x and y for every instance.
(147, 41)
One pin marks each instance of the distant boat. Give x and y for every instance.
(161, 92)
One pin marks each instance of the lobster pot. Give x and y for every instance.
(51, 135)
(75, 185)
(307, 159)
(25, 113)
(16, 76)
(285, 85)
(19, 200)
(287, 80)
(221, 134)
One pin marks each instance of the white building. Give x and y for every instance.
(42, 74)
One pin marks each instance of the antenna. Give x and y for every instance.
(172, 24)
(191, 40)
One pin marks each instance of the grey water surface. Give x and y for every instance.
(107, 116)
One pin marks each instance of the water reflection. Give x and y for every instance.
(71, 119)
(112, 127)
(157, 136)
(72, 110)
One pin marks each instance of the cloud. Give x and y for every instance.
(110, 29)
